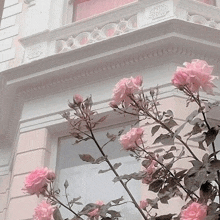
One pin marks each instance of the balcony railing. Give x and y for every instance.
(131, 17)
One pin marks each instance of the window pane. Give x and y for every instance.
(84, 179)
(87, 8)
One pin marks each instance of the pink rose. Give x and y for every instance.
(94, 213)
(77, 98)
(124, 88)
(44, 211)
(143, 204)
(37, 180)
(194, 211)
(131, 139)
(100, 203)
(195, 75)
(149, 172)
(180, 78)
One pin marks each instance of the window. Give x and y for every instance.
(209, 2)
(87, 8)
(84, 179)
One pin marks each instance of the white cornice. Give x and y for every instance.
(172, 32)
(100, 68)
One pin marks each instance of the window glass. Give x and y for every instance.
(84, 179)
(87, 8)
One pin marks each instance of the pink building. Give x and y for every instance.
(51, 50)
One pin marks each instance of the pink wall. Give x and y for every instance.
(88, 8)
(32, 152)
(210, 2)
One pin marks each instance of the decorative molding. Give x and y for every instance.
(29, 91)
(34, 52)
(158, 11)
(199, 19)
(98, 34)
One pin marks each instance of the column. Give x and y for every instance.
(32, 152)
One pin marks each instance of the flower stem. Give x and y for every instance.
(87, 120)
(116, 174)
(178, 183)
(164, 126)
(53, 197)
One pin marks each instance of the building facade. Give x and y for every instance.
(51, 50)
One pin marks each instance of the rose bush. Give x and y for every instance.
(198, 186)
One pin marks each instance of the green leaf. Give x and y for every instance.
(102, 119)
(153, 203)
(196, 163)
(104, 209)
(173, 148)
(170, 123)
(211, 135)
(117, 165)
(156, 185)
(146, 163)
(201, 146)
(159, 150)
(137, 176)
(112, 137)
(214, 165)
(88, 208)
(205, 159)
(87, 158)
(168, 156)
(169, 113)
(57, 214)
(114, 214)
(165, 139)
(196, 179)
(180, 174)
(165, 199)
(199, 138)
(192, 115)
(120, 132)
(75, 199)
(99, 160)
(78, 203)
(155, 129)
(117, 201)
(179, 129)
(104, 171)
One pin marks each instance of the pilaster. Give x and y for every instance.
(33, 152)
